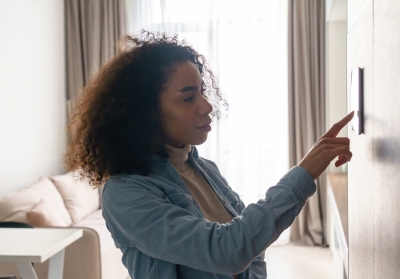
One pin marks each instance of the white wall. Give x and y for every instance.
(32, 91)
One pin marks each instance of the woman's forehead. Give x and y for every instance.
(184, 74)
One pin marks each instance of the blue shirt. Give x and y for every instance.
(162, 232)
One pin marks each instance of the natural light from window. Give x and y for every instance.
(245, 43)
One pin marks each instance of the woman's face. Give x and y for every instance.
(184, 112)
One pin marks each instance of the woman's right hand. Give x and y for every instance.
(327, 148)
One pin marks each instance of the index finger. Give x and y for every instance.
(335, 129)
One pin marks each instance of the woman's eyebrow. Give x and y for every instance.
(188, 88)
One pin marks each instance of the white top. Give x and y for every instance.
(34, 245)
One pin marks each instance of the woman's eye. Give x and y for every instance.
(189, 99)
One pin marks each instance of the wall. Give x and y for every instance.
(32, 91)
(373, 44)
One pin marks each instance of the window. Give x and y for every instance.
(245, 43)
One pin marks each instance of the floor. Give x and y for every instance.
(300, 262)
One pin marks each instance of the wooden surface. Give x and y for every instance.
(361, 169)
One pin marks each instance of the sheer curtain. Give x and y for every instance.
(245, 43)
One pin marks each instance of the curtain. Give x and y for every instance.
(92, 29)
(307, 106)
(245, 43)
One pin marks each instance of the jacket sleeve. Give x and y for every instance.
(258, 266)
(138, 214)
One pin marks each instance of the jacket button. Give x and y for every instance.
(224, 201)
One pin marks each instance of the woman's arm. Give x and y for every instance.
(138, 214)
(258, 268)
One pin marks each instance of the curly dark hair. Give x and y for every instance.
(114, 125)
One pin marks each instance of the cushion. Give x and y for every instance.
(13, 206)
(96, 222)
(44, 215)
(79, 197)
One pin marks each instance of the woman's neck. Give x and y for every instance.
(178, 156)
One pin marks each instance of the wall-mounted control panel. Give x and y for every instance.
(357, 100)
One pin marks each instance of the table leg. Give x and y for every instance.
(26, 270)
(56, 266)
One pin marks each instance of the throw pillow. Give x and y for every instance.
(44, 215)
(79, 197)
(13, 206)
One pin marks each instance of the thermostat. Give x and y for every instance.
(356, 101)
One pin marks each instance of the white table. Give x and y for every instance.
(26, 246)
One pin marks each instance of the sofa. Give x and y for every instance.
(64, 201)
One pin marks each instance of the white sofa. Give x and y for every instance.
(61, 201)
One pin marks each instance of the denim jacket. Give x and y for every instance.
(162, 232)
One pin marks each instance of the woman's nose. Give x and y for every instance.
(205, 107)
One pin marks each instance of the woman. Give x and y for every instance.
(170, 211)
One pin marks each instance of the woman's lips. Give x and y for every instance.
(205, 128)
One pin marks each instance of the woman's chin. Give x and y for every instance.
(200, 141)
